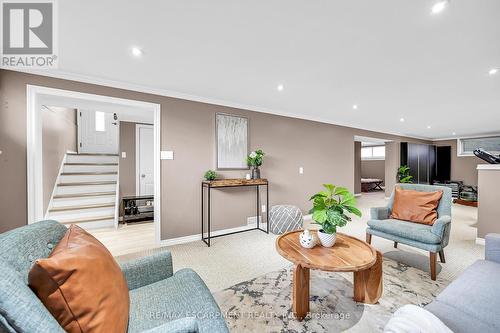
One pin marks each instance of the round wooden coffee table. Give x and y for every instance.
(349, 254)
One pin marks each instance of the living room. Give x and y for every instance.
(266, 120)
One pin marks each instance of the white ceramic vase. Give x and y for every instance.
(327, 240)
(307, 239)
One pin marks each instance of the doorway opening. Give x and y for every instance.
(89, 147)
(370, 164)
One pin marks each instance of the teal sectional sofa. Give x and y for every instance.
(161, 301)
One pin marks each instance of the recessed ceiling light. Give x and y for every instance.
(428, 126)
(439, 7)
(453, 133)
(493, 71)
(355, 107)
(402, 120)
(137, 52)
(280, 87)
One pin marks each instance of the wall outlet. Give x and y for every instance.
(252, 221)
(124, 154)
(301, 170)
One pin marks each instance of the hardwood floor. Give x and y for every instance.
(127, 238)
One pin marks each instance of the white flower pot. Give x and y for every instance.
(327, 240)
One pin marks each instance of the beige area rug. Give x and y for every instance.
(263, 304)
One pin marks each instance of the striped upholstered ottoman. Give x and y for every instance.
(284, 218)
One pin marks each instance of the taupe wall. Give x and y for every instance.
(325, 151)
(373, 169)
(59, 135)
(392, 163)
(127, 165)
(462, 167)
(489, 210)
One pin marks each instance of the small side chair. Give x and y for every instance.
(433, 238)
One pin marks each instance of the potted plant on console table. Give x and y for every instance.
(331, 209)
(254, 160)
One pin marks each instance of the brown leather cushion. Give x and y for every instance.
(416, 206)
(81, 285)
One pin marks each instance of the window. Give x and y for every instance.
(373, 153)
(466, 147)
(100, 123)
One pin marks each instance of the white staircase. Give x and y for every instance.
(86, 191)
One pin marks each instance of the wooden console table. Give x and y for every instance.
(225, 183)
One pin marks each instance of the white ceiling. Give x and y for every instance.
(390, 57)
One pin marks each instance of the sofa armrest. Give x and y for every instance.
(440, 225)
(144, 271)
(492, 247)
(380, 213)
(181, 325)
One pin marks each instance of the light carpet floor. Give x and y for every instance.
(263, 304)
(242, 257)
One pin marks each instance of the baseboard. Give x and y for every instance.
(357, 195)
(180, 240)
(480, 241)
(197, 237)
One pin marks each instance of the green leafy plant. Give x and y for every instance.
(331, 208)
(404, 174)
(255, 158)
(210, 175)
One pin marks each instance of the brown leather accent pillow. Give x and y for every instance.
(415, 206)
(81, 285)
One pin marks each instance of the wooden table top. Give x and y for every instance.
(349, 254)
(235, 182)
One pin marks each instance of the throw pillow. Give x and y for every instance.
(415, 206)
(81, 285)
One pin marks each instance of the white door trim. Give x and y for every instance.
(34, 147)
(137, 154)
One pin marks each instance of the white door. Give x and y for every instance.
(144, 159)
(97, 132)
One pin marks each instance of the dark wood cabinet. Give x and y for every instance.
(421, 159)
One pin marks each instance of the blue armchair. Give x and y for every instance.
(429, 238)
(160, 301)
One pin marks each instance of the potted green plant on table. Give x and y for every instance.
(404, 174)
(210, 175)
(254, 160)
(331, 209)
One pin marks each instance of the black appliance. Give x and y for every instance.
(484, 155)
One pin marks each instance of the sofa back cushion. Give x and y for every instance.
(81, 285)
(415, 206)
(20, 309)
(22, 246)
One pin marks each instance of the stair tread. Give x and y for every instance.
(90, 206)
(89, 173)
(90, 164)
(92, 219)
(87, 183)
(90, 154)
(78, 195)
